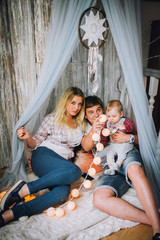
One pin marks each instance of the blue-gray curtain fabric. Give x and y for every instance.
(125, 24)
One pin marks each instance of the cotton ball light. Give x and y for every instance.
(92, 171)
(102, 118)
(106, 132)
(99, 147)
(87, 184)
(71, 205)
(95, 137)
(97, 160)
(75, 193)
(60, 212)
(51, 212)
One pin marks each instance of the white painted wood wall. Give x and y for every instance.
(154, 83)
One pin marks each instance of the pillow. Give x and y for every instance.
(84, 159)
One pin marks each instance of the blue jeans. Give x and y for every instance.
(55, 173)
(119, 183)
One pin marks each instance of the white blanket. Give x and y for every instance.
(84, 223)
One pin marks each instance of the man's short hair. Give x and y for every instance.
(92, 101)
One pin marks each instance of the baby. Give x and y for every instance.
(116, 121)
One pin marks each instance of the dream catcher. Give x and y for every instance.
(93, 31)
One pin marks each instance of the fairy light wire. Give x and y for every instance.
(94, 152)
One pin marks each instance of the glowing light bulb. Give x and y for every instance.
(102, 118)
(71, 205)
(95, 137)
(51, 212)
(106, 132)
(87, 184)
(60, 212)
(99, 147)
(97, 160)
(75, 193)
(29, 198)
(92, 171)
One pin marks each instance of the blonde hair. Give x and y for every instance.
(60, 110)
(114, 104)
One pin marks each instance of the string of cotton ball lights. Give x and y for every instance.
(59, 211)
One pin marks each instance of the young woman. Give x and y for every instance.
(53, 146)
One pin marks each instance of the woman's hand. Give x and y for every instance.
(23, 134)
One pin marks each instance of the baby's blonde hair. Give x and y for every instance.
(114, 104)
(60, 110)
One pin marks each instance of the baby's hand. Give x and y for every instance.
(121, 126)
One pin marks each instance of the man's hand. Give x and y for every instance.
(120, 137)
(97, 125)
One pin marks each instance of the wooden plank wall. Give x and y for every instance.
(24, 28)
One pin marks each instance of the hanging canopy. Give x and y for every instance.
(63, 39)
(124, 21)
(125, 24)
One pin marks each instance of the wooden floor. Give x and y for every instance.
(139, 232)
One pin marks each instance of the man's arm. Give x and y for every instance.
(87, 142)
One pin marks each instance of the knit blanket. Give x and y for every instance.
(84, 223)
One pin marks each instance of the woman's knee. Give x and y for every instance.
(65, 190)
(102, 195)
(72, 173)
(61, 193)
(78, 171)
(75, 172)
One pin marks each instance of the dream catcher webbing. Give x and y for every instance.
(93, 31)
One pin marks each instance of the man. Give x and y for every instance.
(110, 188)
